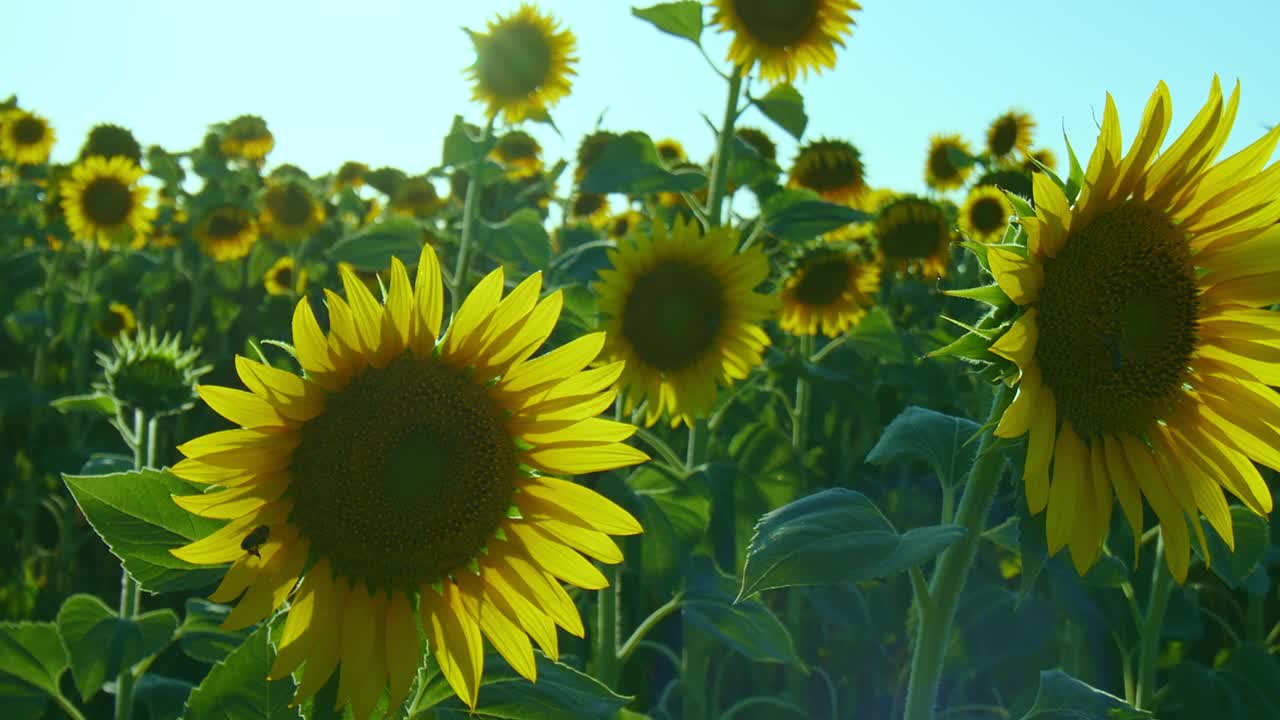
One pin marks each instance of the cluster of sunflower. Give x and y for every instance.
(397, 485)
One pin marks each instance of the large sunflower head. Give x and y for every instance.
(831, 168)
(285, 278)
(247, 138)
(913, 233)
(227, 233)
(985, 213)
(1143, 346)
(1009, 133)
(104, 203)
(520, 153)
(684, 314)
(289, 212)
(786, 37)
(25, 137)
(409, 476)
(828, 291)
(108, 141)
(416, 197)
(943, 169)
(523, 64)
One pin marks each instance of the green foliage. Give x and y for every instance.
(682, 19)
(93, 403)
(746, 626)
(784, 105)
(630, 164)
(100, 643)
(561, 691)
(32, 660)
(371, 248)
(943, 442)
(238, 686)
(1063, 697)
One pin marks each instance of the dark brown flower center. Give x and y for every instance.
(1003, 135)
(225, 224)
(912, 229)
(778, 23)
(830, 166)
(28, 130)
(823, 281)
(106, 201)
(1118, 320)
(514, 61)
(291, 204)
(987, 215)
(940, 163)
(673, 315)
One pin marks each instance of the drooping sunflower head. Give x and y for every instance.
(786, 37)
(671, 151)
(913, 233)
(247, 138)
(25, 137)
(104, 203)
(351, 174)
(590, 151)
(227, 233)
(1144, 349)
(948, 163)
(119, 319)
(285, 278)
(107, 141)
(416, 197)
(985, 213)
(1009, 133)
(590, 207)
(684, 314)
(523, 64)
(386, 180)
(289, 212)
(1014, 180)
(413, 475)
(831, 168)
(154, 374)
(828, 291)
(759, 141)
(520, 153)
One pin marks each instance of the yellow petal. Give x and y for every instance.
(580, 458)
(555, 558)
(545, 494)
(366, 313)
(397, 314)
(509, 350)
(545, 593)
(357, 641)
(1173, 524)
(240, 407)
(474, 313)
(1016, 419)
(455, 641)
(270, 589)
(1126, 487)
(508, 639)
(1018, 343)
(1070, 474)
(368, 690)
(293, 397)
(299, 634)
(558, 364)
(331, 599)
(310, 345)
(404, 650)
(223, 545)
(589, 542)
(1040, 444)
(234, 502)
(519, 607)
(1021, 278)
(1155, 125)
(598, 430)
(428, 296)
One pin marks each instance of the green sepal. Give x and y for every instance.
(989, 334)
(979, 251)
(989, 294)
(1020, 205)
(970, 346)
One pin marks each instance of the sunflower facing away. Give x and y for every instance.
(915, 233)
(670, 151)
(786, 37)
(684, 315)
(941, 169)
(227, 233)
(289, 213)
(828, 291)
(985, 213)
(25, 138)
(413, 478)
(590, 207)
(103, 202)
(520, 153)
(284, 277)
(831, 168)
(247, 138)
(1143, 349)
(350, 175)
(1009, 132)
(416, 197)
(523, 64)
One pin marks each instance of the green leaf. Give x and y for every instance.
(784, 105)
(520, 241)
(20, 700)
(202, 635)
(1252, 535)
(164, 697)
(746, 626)
(101, 644)
(876, 338)
(1062, 697)
(463, 145)
(969, 346)
(135, 514)
(237, 687)
(832, 537)
(808, 219)
(371, 248)
(682, 19)
(630, 164)
(99, 403)
(560, 692)
(31, 653)
(941, 441)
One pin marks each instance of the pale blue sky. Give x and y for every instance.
(380, 82)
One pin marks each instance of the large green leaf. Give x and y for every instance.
(784, 105)
(941, 441)
(93, 403)
(835, 536)
(371, 248)
(32, 660)
(135, 514)
(560, 692)
(520, 242)
(682, 19)
(1063, 697)
(164, 697)
(202, 635)
(746, 626)
(630, 164)
(100, 643)
(238, 687)
(464, 144)
(791, 217)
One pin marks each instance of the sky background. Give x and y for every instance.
(381, 82)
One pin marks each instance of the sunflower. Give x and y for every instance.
(284, 278)
(759, 141)
(520, 153)
(828, 291)
(831, 168)
(119, 319)
(1009, 132)
(1043, 156)
(913, 232)
(523, 64)
(985, 214)
(941, 170)
(108, 141)
(289, 213)
(350, 174)
(590, 150)
(416, 197)
(591, 207)
(25, 138)
(104, 203)
(404, 479)
(623, 224)
(670, 151)
(227, 233)
(247, 138)
(1143, 349)
(787, 37)
(684, 315)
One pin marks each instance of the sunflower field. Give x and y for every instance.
(630, 435)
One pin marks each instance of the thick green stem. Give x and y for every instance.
(1152, 623)
(607, 630)
(796, 681)
(724, 151)
(463, 268)
(130, 591)
(649, 623)
(697, 450)
(934, 630)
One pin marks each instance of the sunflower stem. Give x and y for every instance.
(934, 629)
(724, 150)
(130, 591)
(796, 680)
(607, 601)
(460, 288)
(1149, 649)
